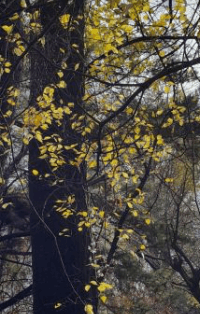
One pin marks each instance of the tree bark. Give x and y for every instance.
(60, 269)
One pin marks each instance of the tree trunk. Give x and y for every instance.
(59, 262)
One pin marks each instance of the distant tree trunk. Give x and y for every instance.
(59, 263)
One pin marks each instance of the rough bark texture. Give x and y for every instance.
(59, 263)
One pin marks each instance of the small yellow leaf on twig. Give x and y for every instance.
(64, 19)
(104, 286)
(87, 287)
(57, 305)
(103, 298)
(89, 309)
(23, 4)
(7, 28)
(142, 247)
(147, 221)
(35, 172)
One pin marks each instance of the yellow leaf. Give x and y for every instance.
(125, 175)
(86, 97)
(38, 136)
(76, 66)
(106, 224)
(137, 130)
(167, 89)
(147, 221)
(103, 298)
(23, 4)
(5, 205)
(127, 28)
(7, 28)
(132, 150)
(60, 74)
(36, 15)
(134, 255)
(125, 236)
(95, 33)
(87, 287)
(19, 50)
(109, 47)
(67, 110)
(101, 214)
(25, 140)
(42, 41)
(57, 305)
(7, 64)
(130, 205)
(62, 84)
(83, 214)
(48, 90)
(129, 231)
(135, 179)
(75, 46)
(7, 70)
(92, 164)
(64, 19)
(2, 181)
(95, 265)
(35, 172)
(146, 8)
(134, 213)
(161, 53)
(129, 110)
(14, 17)
(89, 309)
(64, 65)
(160, 140)
(93, 282)
(159, 112)
(169, 180)
(114, 162)
(168, 123)
(8, 113)
(16, 92)
(142, 247)
(104, 286)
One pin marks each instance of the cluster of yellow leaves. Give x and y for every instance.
(140, 137)
(89, 309)
(5, 139)
(91, 217)
(12, 95)
(85, 221)
(40, 119)
(52, 150)
(5, 65)
(66, 209)
(18, 43)
(176, 114)
(101, 287)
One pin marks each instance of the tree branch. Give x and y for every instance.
(18, 297)
(14, 235)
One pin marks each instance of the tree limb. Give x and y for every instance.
(18, 297)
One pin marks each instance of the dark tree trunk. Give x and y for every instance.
(59, 263)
